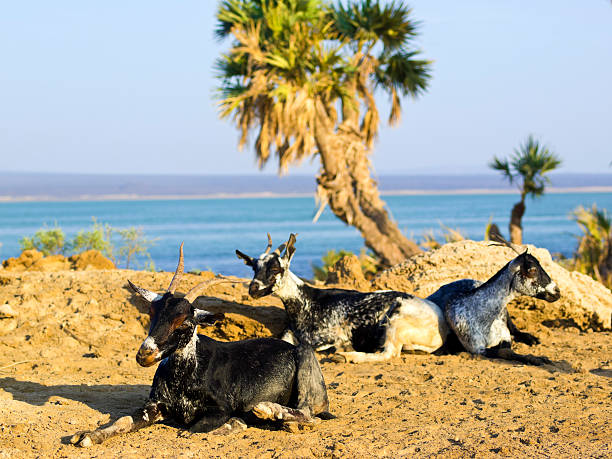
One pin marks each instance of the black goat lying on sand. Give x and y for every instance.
(202, 383)
(477, 311)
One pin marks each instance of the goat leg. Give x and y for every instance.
(508, 354)
(275, 412)
(524, 337)
(392, 348)
(289, 337)
(310, 389)
(149, 414)
(212, 422)
(519, 336)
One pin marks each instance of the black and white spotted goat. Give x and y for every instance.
(477, 311)
(362, 327)
(203, 383)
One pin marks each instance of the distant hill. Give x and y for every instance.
(43, 186)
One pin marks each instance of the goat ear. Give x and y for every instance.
(202, 317)
(178, 321)
(247, 260)
(144, 293)
(290, 249)
(516, 264)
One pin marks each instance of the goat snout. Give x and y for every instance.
(551, 293)
(146, 358)
(148, 353)
(254, 289)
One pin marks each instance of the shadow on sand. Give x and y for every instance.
(272, 317)
(114, 399)
(106, 398)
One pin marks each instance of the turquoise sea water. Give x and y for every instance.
(213, 228)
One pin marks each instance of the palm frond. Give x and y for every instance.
(503, 166)
(289, 55)
(404, 73)
(373, 21)
(236, 12)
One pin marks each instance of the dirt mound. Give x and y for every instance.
(26, 260)
(347, 272)
(90, 259)
(584, 303)
(33, 260)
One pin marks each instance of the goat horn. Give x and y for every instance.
(195, 292)
(178, 273)
(500, 241)
(280, 248)
(143, 292)
(269, 245)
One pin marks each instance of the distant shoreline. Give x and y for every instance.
(273, 195)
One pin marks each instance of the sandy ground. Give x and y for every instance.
(67, 364)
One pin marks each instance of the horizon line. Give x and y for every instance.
(279, 175)
(272, 195)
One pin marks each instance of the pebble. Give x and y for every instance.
(6, 312)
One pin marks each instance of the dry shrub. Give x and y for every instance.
(593, 255)
(431, 242)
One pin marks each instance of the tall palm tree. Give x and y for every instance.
(527, 167)
(303, 74)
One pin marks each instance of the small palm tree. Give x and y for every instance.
(303, 74)
(527, 168)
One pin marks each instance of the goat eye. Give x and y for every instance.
(532, 272)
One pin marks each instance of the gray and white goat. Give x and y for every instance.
(362, 327)
(477, 311)
(203, 383)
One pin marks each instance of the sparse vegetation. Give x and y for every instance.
(370, 265)
(98, 238)
(593, 255)
(123, 246)
(133, 244)
(49, 241)
(429, 240)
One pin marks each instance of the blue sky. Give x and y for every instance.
(127, 87)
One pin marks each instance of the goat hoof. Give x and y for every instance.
(544, 361)
(231, 426)
(264, 410)
(529, 339)
(538, 361)
(296, 426)
(81, 439)
(275, 412)
(291, 427)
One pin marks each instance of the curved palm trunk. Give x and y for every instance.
(516, 230)
(347, 186)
